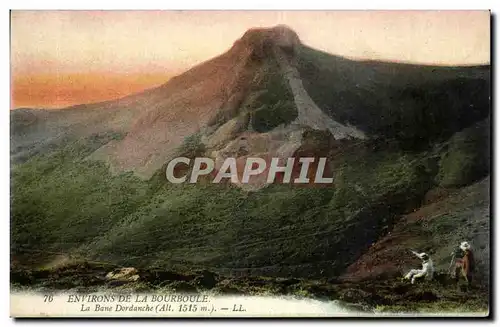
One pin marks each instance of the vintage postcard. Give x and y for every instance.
(250, 163)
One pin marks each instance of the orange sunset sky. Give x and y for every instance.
(60, 58)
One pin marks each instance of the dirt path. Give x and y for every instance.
(308, 112)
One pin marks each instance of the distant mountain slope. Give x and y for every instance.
(407, 102)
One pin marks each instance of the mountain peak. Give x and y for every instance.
(258, 41)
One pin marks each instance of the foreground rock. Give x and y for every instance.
(123, 275)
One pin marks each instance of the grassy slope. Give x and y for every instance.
(273, 104)
(467, 157)
(277, 231)
(417, 105)
(268, 102)
(437, 228)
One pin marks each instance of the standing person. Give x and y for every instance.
(427, 270)
(465, 263)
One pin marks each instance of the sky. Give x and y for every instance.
(59, 58)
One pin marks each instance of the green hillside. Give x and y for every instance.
(62, 203)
